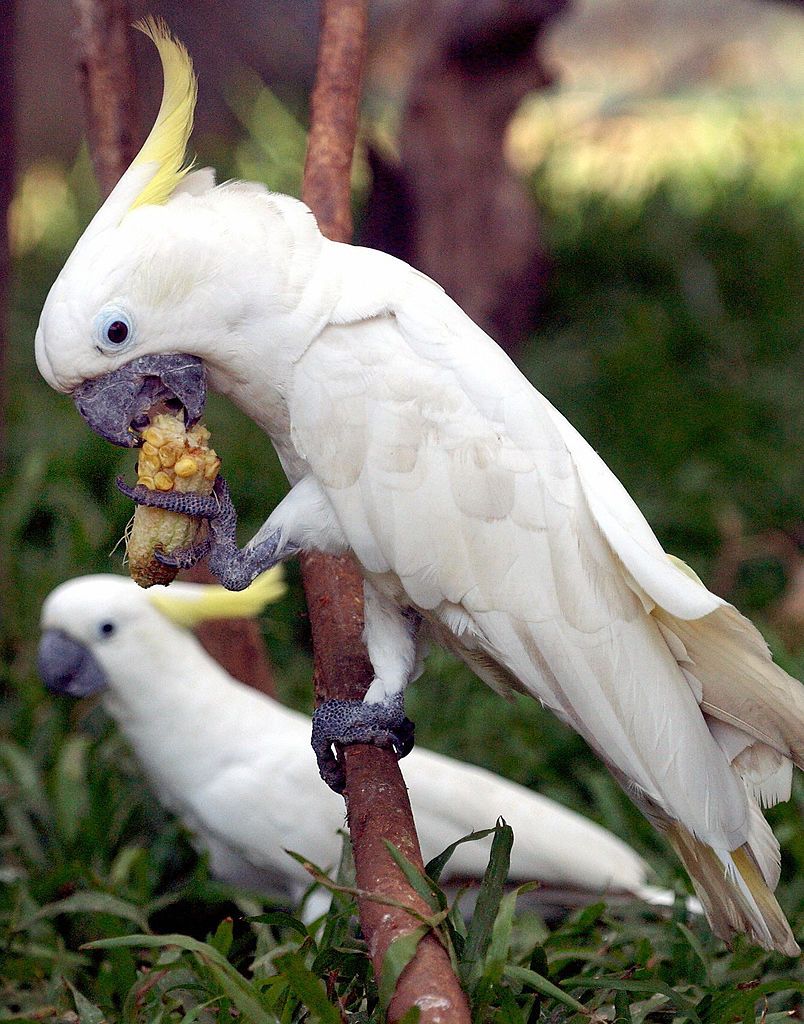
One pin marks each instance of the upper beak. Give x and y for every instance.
(112, 404)
(67, 666)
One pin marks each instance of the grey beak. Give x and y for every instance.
(67, 666)
(113, 404)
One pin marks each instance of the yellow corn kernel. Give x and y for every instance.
(171, 458)
(186, 467)
(163, 482)
(153, 435)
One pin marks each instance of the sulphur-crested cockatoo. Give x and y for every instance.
(479, 516)
(235, 765)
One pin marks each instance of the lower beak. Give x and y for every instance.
(116, 404)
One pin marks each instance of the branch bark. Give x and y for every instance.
(376, 798)
(109, 87)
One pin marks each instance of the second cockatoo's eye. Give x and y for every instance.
(114, 329)
(106, 628)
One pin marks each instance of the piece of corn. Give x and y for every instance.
(170, 459)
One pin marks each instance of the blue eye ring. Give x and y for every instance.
(106, 628)
(114, 329)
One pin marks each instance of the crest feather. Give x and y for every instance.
(166, 144)
(188, 604)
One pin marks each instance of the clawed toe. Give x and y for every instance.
(338, 723)
(184, 558)
(200, 506)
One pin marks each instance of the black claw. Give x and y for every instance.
(339, 723)
(185, 558)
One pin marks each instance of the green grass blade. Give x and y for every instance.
(88, 1013)
(434, 867)
(92, 903)
(308, 988)
(544, 987)
(435, 900)
(479, 932)
(233, 984)
(397, 957)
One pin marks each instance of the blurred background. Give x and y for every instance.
(613, 188)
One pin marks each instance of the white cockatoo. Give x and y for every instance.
(479, 517)
(236, 766)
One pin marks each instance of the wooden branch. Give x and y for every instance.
(376, 797)
(108, 83)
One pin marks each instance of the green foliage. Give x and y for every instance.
(671, 341)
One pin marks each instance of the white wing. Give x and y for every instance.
(450, 474)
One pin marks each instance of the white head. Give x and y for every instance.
(101, 631)
(161, 282)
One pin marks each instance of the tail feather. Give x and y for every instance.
(734, 893)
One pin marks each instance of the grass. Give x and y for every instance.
(670, 339)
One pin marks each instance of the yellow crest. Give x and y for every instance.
(166, 144)
(188, 604)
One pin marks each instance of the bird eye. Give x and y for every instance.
(106, 628)
(117, 332)
(114, 328)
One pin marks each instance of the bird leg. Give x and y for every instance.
(344, 722)
(392, 639)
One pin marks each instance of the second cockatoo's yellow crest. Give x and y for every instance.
(188, 604)
(166, 144)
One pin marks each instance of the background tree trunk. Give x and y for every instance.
(451, 206)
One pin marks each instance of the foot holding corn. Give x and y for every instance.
(171, 460)
(178, 489)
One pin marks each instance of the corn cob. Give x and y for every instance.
(171, 459)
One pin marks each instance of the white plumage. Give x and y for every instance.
(238, 768)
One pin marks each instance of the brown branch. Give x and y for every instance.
(108, 85)
(376, 797)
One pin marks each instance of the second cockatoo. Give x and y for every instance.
(479, 517)
(235, 765)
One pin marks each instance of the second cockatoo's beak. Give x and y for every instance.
(117, 405)
(68, 667)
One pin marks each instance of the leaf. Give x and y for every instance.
(88, 1013)
(434, 867)
(308, 988)
(500, 945)
(222, 939)
(546, 988)
(281, 919)
(92, 903)
(417, 881)
(231, 981)
(648, 985)
(397, 957)
(70, 790)
(25, 775)
(479, 932)
(622, 1009)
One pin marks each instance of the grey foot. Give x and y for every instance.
(235, 568)
(343, 722)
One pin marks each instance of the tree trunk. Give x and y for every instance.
(451, 206)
